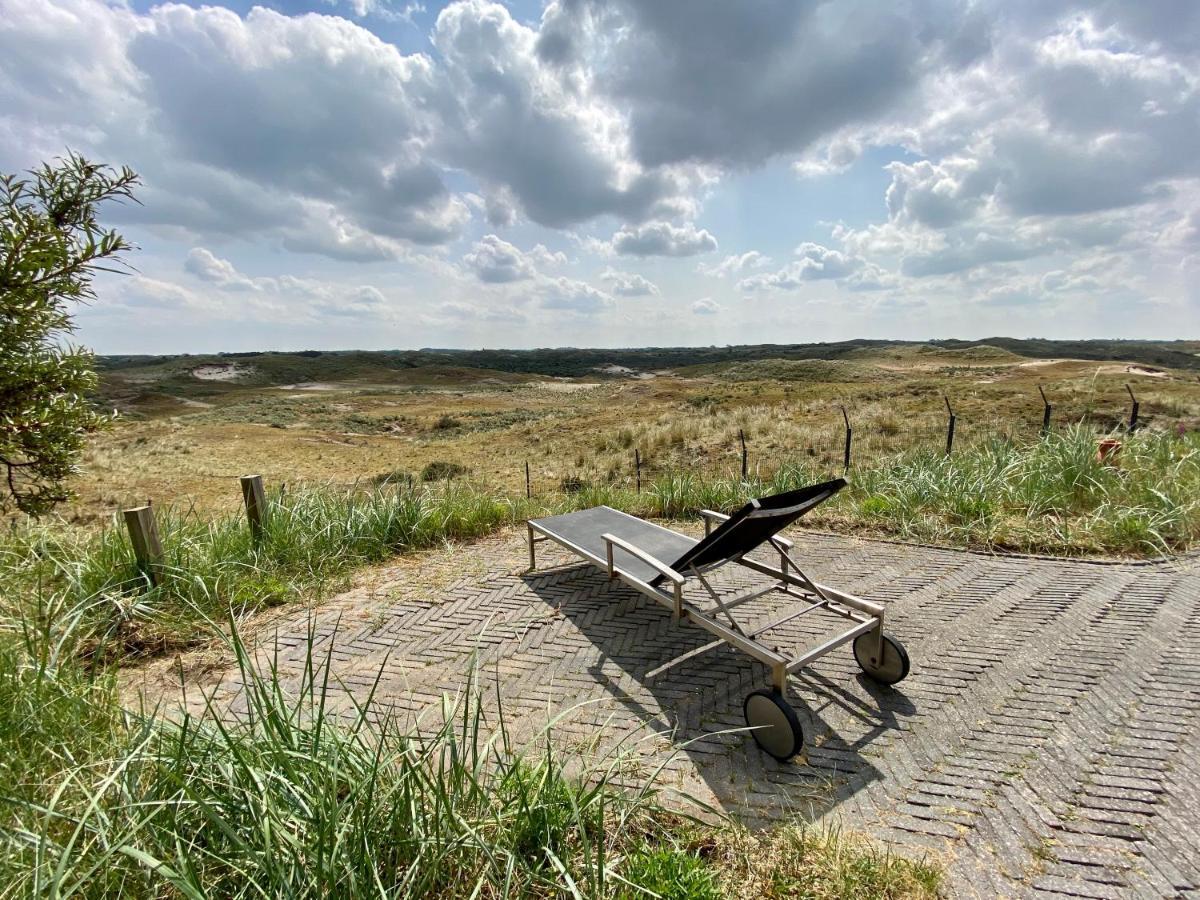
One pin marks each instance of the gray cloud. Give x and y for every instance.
(663, 239)
(745, 82)
(512, 123)
(814, 262)
(470, 312)
(208, 267)
(628, 284)
(496, 261)
(572, 295)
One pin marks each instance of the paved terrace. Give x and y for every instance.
(1044, 744)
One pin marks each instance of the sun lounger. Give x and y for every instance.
(664, 565)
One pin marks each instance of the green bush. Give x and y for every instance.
(440, 470)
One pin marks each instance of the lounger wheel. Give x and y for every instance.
(776, 726)
(892, 668)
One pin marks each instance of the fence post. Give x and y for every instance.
(1045, 412)
(1133, 412)
(745, 457)
(949, 425)
(849, 437)
(143, 534)
(637, 464)
(255, 499)
(528, 485)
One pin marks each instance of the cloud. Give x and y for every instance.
(962, 254)
(1072, 132)
(575, 296)
(270, 298)
(801, 71)
(365, 302)
(207, 267)
(555, 144)
(383, 9)
(497, 262)
(628, 284)
(705, 306)
(500, 208)
(1022, 137)
(663, 239)
(471, 312)
(313, 106)
(736, 264)
(142, 291)
(938, 195)
(815, 263)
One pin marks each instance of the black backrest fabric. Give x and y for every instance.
(754, 524)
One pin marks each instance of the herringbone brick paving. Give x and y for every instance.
(1044, 744)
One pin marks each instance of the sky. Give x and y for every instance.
(385, 174)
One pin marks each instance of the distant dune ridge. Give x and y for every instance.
(316, 365)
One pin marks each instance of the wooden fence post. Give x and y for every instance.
(528, 484)
(1045, 411)
(745, 456)
(255, 499)
(637, 464)
(143, 534)
(949, 425)
(1133, 412)
(849, 437)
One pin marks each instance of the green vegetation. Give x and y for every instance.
(316, 365)
(1047, 496)
(794, 370)
(441, 470)
(50, 247)
(1050, 495)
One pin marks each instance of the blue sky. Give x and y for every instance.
(384, 173)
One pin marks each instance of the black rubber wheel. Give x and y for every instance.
(893, 668)
(776, 726)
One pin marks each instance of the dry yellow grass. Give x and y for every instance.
(186, 450)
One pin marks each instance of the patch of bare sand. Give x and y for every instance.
(221, 372)
(1144, 371)
(566, 387)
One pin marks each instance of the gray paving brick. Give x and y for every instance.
(1044, 744)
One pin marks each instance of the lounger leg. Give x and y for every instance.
(532, 557)
(779, 678)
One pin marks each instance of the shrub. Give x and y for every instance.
(572, 484)
(441, 470)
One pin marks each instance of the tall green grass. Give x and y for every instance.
(312, 539)
(1051, 495)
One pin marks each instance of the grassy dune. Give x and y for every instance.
(184, 440)
(100, 801)
(1050, 495)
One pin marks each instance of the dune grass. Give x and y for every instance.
(1049, 496)
(1052, 495)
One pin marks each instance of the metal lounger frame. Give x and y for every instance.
(789, 579)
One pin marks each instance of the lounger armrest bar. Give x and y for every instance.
(611, 540)
(711, 516)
